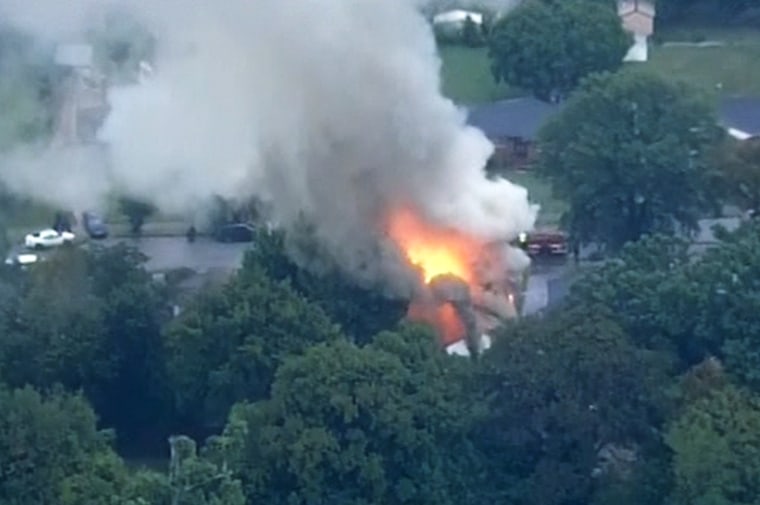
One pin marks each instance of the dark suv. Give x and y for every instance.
(94, 225)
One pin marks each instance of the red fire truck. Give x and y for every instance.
(544, 243)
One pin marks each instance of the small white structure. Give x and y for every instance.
(457, 17)
(460, 348)
(637, 17)
(739, 134)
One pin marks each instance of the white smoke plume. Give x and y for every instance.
(329, 109)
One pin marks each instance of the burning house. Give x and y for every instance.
(467, 286)
(283, 128)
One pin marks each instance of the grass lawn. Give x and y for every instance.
(466, 76)
(731, 69)
(539, 191)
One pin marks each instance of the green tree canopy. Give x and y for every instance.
(741, 165)
(50, 448)
(385, 423)
(568, 399)
(629, 152)
(91, 320)
(639, 288)
(693, 307)
(716, 446)
(361, 311)
(548, 47)
(228, 343)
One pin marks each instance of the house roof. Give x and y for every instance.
(517, 117)
(643, 7)
(741, 116)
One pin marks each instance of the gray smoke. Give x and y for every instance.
(327, 109)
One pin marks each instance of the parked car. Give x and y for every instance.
(239, 232)
(48, 238)
(94, 225)
(21, 259)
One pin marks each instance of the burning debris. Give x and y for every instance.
(465, 289)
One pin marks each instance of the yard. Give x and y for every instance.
(466, 76)
(539, 191)
(733, 68)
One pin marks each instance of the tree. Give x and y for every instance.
(629, 151)
(472, 34)
(350, 425)
(56, 333)
(724, 299)
(548, 47)
(197, 481)
(51, 451)
(228, 343)
(568, 401)
(134, 309)
(640, 289)
(742, 171)
(361, 310)
(716, 446)
(91, 320)
(136, 211)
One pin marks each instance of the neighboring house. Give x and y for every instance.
(740, 116)
(457, 17)
(638, 20)
(512, 125)
(83, 103)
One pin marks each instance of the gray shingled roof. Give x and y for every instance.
(741, 113)
(516, 117)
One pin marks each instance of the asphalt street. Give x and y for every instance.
(166, 253)
(205, 254)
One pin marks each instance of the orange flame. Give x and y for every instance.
(444, 318)
(434, 250)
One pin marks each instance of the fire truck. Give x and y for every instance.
(544, 243)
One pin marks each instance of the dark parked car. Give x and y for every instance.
(239, 232)
(94, 225)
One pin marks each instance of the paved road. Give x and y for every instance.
(165, 253)
(204, 255)
(538, 293)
